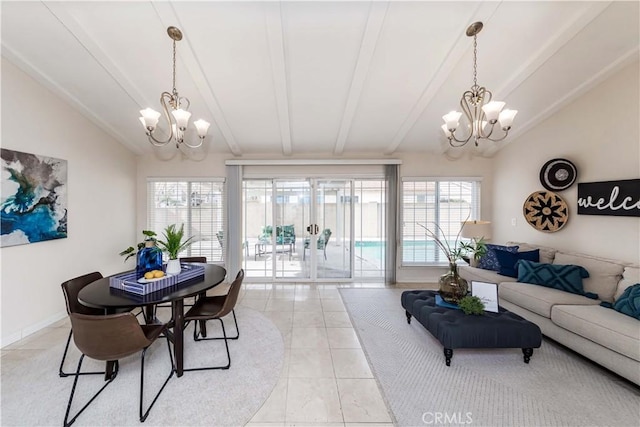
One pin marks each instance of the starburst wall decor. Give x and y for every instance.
(546, 211)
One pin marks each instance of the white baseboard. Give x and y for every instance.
(23, 333)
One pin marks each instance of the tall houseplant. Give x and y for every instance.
(173, 244)
(452, 287)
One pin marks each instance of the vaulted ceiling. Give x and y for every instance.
(302, 77)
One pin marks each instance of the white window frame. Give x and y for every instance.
(439, 258)
(214, 251)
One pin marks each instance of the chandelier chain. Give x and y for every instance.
(174, 66)
(475, 61)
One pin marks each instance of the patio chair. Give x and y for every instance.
(285, 235)
(220, 237)
(323, 241)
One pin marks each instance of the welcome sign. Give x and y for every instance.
(618, 198)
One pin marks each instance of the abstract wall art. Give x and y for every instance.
(33, 198)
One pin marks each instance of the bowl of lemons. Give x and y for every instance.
(152, 276)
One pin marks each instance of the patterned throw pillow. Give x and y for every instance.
(629, 302)
(508, 260)
(490, 261)
(566, 278)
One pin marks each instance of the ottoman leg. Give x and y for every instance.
(528, 352)
(408, 316)
(448, 354)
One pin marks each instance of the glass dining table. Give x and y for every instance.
(100, 295)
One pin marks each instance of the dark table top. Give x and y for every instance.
(100, 295)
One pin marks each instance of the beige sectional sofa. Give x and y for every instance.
(610, 338)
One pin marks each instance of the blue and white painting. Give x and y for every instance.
(34, 198)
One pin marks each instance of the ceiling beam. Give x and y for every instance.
(483, 12)
(549, 49)
(273, 19)
(168, 17)
(584, 87)
(375, 22)
(44, 79)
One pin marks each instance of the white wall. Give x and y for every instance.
(599, 133)
(101, 204)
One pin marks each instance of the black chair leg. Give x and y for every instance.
(143, 416)
(64, 374)
(196, 334)
(226, 344)
(73, 390)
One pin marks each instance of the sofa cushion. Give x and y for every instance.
(539, 299)
(604, 274)
(473, 273)
(630, 276)
(629, 302)
(601, 325)
(547, 254)
(508, 260)
(567, 278)
(489, 261)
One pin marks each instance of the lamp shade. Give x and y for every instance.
(476, 229)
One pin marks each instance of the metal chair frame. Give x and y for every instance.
(200, 335)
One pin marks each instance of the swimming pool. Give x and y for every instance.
(413, 251)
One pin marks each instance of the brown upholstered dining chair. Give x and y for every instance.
(110, 338)
(70, 289)
(215, 308)
(200, 259)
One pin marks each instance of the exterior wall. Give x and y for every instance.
(101, 204)
(599, 133)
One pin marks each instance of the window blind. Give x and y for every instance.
(198, 204)
(441, 205)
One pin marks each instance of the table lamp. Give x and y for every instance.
(476, 231)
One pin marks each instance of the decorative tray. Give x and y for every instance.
(127, 281)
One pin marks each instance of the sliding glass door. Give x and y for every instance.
(303, 229)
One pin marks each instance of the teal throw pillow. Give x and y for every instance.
(490, 261)
(629, 302)
(508, 260)
(566, 278)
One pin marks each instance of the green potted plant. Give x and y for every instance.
(471, 305)
(149, 236)
(477, 248)
(173, 244)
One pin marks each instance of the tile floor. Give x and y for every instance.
(325, 381)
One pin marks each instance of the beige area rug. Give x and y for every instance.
(484, 387)
(34, 395)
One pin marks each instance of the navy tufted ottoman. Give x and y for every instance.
(454, 329)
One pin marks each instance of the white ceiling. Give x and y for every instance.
(347, 78)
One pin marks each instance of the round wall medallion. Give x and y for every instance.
(558, 174)
(545, 211)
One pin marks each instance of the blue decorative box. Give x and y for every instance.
(442, 303)
(127, 281)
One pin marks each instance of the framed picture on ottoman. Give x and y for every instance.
(488, 294)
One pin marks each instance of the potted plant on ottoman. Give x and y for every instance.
(173, 245)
